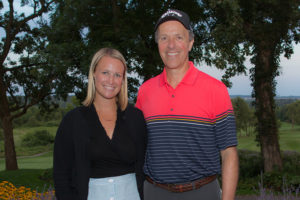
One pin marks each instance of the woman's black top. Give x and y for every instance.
(73, 157)
(112, 157)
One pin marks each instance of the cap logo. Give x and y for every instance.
(172, 13)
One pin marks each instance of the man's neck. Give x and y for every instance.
(174, 76)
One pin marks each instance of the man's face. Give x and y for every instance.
(174, 44)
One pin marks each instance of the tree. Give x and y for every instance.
(293, 112)
(125, 25)
(264, 29)
(244, 116)
(27, 74)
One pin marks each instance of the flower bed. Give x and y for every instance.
(10, 192)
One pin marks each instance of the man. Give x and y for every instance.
(190, 123)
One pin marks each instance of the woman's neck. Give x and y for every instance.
(105, 105)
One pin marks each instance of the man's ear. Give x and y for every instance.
(191, 44)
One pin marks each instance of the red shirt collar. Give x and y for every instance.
(189, 77)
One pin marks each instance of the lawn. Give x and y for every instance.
(27, 151)
(289, 139)
(35, 162)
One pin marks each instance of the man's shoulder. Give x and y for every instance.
(150, 83)
(207, 77)
(209, 80)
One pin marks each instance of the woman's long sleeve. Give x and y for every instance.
(141, 150)
(63, 162)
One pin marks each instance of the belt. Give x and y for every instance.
(184, 187)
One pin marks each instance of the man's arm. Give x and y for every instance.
(230, 172)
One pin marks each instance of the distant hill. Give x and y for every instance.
(279, 100)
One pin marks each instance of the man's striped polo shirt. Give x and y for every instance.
(187, 126)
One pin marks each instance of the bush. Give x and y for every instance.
(251, 164)
(47, 175)
(38, 138)
(291, 162)
(251, 173)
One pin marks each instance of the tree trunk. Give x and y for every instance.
(264, 87)
(6, 120)
(9, 145)
(271, 153)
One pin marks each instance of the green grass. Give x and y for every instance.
(33, 172)
(289, 139)
(26, 151)
(40, 162)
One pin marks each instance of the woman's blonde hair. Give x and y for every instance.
(122, 98)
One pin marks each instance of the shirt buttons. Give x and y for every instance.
(110, 180)
(173, 96)
(171, 109)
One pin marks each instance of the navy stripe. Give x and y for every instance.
(181, 150)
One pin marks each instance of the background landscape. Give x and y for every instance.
(34, 136)
(252, 46)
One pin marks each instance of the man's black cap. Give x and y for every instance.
(173, 14)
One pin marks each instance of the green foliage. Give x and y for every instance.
(37, 138)
(251, 172)
(26, 67)
(277, 180)
(30, 178)
(47, 175)
(245, 118)
(250, 164)
(293, 112)
(35, 118)
(289, 112)
(291, 160)
(73, 103)
(262, 30)
(79, 28)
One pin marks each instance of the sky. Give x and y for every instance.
(288, 83)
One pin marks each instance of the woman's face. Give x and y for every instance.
(109, 76)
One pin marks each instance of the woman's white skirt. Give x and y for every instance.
(114, 188)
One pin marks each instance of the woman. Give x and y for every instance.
(99, 147)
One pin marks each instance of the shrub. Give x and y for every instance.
(38, 138)
(251, 164)
(47, 175)
(291, 162)
(251, 173)
(286, 192)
